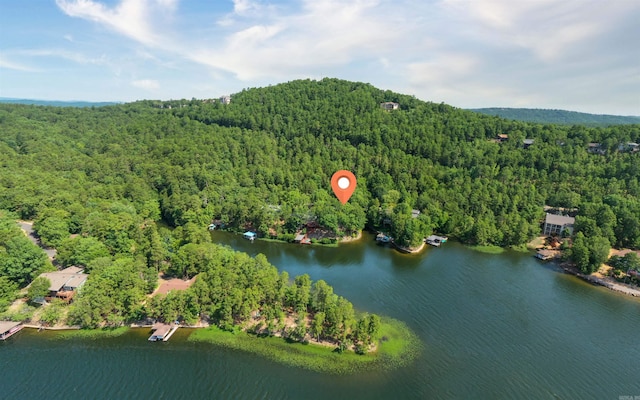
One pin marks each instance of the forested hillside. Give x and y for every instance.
(563, 117)
(107, 186)
(266, 159)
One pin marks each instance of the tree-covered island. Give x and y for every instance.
(127, 192)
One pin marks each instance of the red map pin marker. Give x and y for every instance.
(343, 184)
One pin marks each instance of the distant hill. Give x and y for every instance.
(558, 116)
(56, 103)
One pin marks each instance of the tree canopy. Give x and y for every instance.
(265, 161)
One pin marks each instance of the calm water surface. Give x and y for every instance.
(493, 327)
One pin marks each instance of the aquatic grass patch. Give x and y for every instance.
(521, 248)
(488, 249)
(398, 345)
(397, 348)
(92, 333)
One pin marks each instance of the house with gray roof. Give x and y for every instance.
(65, 283)
(557, 224)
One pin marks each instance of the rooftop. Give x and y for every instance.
(71, 277)
(6, 326)
(554, 219)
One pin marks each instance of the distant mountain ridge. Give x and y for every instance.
(57, 103)
(562, 117)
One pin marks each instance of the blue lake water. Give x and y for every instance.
(493, 327)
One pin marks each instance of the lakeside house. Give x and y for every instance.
(64, 283)
(9, 328)
(557, 224)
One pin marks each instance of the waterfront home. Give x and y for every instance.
(558, 224)
(9, 328)
(65, 283)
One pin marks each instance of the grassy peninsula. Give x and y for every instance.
(397, 346)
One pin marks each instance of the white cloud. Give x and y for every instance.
(321, 33)
(548, 28)
(130, 17)
(146, 84)
(530, 52)
(65, 54)
(8, 64)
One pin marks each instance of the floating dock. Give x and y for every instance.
(9, 328)
(383, 238)
(435, 240)
(546, 255)
(162, 332)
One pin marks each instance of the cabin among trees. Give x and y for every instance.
(65, 283)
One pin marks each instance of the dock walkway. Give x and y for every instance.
(162, 332)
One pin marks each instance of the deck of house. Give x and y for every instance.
(162, 332)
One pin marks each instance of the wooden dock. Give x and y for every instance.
(546, 255)
(9, 328)
(435, 240)
(162, 332)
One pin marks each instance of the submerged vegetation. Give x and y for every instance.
(399, 346)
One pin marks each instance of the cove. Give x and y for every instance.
(492, 326)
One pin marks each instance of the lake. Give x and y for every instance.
(492, 326)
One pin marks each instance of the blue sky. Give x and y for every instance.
(579, 55)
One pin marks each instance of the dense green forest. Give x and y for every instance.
(562, 117)
(102, 183)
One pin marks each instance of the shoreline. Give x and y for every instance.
(409, 250)
(604, 282)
